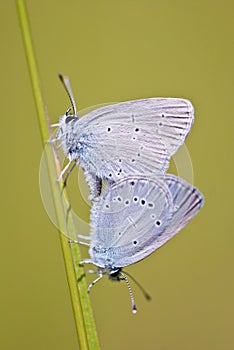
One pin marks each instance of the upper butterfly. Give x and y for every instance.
(123, 139)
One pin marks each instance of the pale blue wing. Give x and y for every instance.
(127, 138)
(126, 220)
(187, 200)
(176, 203)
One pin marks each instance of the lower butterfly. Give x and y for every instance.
(134, 217)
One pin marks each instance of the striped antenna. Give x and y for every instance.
(67, 85)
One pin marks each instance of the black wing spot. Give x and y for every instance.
(158, 223)
(150, 205)
(143, 202)
(109, 129)
(127, 202)
(132, 183)
(135, 199)
(134, 242)
(137, 129)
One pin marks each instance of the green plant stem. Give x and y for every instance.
(85, 326)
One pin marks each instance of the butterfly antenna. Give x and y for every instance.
(134, 309)
(66, 83)
(146, 295)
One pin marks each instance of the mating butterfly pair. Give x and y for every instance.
(129, 146)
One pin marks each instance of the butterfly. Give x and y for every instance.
(134, 217)
(122, 139)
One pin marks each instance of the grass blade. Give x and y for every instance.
(85, 326)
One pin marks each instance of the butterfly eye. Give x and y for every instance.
(70, 118)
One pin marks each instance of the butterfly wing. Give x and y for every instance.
(127, 138)
(126, 220)
(171, 118)
(176, 203)
(187, 200)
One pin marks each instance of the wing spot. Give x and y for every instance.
(158, 223)
(109, 129)
(135, 199)
(132, 183)
(119, 199)
(151, 205)
(127, 202)
(107, 206)
(133, 160)
(120, 233)
(160, 124)
(143, 202)
(152, 216)
(134, 242)
(137, 129)
(162, 115)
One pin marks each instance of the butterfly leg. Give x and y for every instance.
(68, 174)
(78, 242)
(87, 261)
(87, 238)
(64, 170)
(95, 281)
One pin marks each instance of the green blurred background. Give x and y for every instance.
(116, 51)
